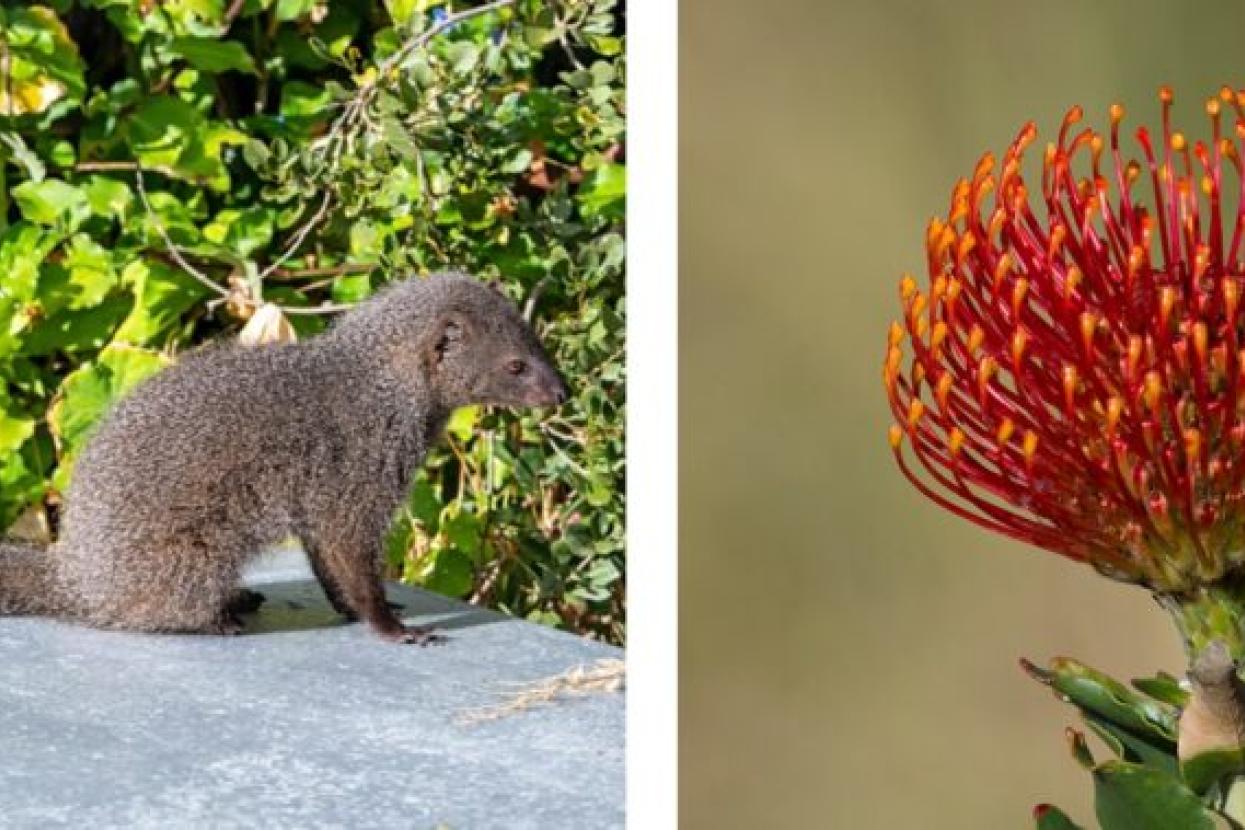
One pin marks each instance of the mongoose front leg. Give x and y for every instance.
(349, 570)
(331, 590)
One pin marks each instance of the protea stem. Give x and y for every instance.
(1210, 613)
(1211, 620)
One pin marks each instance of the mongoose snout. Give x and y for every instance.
(236, 448)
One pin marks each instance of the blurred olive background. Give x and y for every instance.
(848, 651)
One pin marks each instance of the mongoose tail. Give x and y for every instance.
(28, 581)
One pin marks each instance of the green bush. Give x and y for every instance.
(166, 167)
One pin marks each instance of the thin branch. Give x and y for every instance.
(323, 308)
(334, 271)
(437, 28)
(169, 244)
(180, 259)
(300, 236)
(233, 11)
(529, 308)
(121, 166)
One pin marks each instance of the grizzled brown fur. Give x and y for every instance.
(237, 448)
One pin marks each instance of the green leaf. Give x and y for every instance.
(425, 506)
(463, 56)
(243, 232)
(77, 330)
(402, 10)
(91, 273)
(452, 574)
(162, 129)
(15, 426)
(1132, 797)
(92, 389)
(464, 532)
(22, 156)
(1050, 817)
(1109, 699)
(1203, 771)
(108, 197)
(1163, 687)
(162, 294)
(293, 9)
(604, 193)
(211, 55)
(1130, 747)
(23, 476)
(42, 66)
(462, 423)
(52, 202)
(519, 162)
(352, 288)
(299, 99)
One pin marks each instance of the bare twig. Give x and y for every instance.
(333, 271)
(437, 28)
(169, 244)
(338, 139)
(300, 235)
(233, 11)
(176, 253)
(603, 676)
(121, 166)
(529, 307)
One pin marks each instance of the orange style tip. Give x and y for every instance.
(1226, 94)
(895, 335)
(895, 436)
(1117, 114)
(976, 336)
(1178, 142)
(1004, 433)
(1075, 114)
(916, 411)
(955, 441)
(1212, 107)
(907, 287)
(1165, 94)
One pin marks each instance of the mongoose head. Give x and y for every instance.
(466, 342)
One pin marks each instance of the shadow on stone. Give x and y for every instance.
(300, 605)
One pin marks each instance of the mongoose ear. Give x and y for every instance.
(496, 286)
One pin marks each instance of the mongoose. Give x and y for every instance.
(236, 448)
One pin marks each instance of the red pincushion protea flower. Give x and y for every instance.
(1074, 376)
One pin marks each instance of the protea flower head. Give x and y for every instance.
(1073, 373)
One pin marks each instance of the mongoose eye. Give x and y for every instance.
(516, 367)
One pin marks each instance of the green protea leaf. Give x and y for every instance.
(1134, 797)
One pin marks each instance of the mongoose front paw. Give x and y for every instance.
(416, 635)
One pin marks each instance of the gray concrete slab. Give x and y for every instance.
(302, 722)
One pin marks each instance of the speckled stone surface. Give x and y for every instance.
(302, 722)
